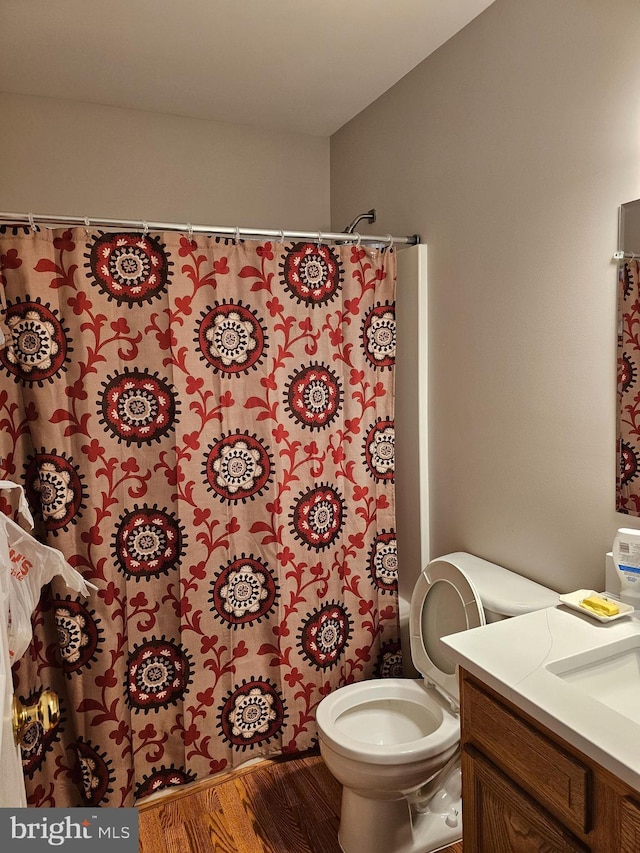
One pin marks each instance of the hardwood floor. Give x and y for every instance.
(280, 806)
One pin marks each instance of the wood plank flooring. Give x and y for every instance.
(280, 806)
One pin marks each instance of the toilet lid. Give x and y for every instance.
(444, 602)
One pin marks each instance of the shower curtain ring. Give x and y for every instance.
(359, 240)
(32, 224)
(281, 240)
(319, 243)
(389, 241)
(87, 227)
(145, 228)
(190, 232)
(237, 236)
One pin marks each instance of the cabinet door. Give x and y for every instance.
(630, 826)
(498, 817)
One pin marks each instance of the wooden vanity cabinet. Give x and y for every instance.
(525, 790)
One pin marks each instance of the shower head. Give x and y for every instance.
(370, 216)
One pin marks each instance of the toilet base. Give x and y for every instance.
(391, 826)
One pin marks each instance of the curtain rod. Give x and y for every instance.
(34, 220)
(622, 256)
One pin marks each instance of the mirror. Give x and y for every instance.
(628, 358)
(629, 228)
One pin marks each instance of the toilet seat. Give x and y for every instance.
(444, 602)
(400, 695)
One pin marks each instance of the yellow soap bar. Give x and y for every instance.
(600, 605)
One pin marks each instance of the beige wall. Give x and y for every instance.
(509, 150)
(81, 159)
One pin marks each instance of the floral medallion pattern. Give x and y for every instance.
(40, 344)
(389, 663)
(55, 490)
(314, 396)
(138, 407)
(628, 467)
(238, 467)
(312, 273)
(232, 338)
(96, 770)
(325, 634)
(380, 450)
(129, 268)
(148, 542)
(79, 634)
(161, 778)
(204, 428)
(253, 714)
(36, 742)
(628, 373)
(244, 592)
(318, 516)
(379, 336)
(159, 673)
(383, 562)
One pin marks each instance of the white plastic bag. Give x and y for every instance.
(26, 566)
(23, 506)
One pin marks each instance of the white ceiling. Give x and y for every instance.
(299, 65)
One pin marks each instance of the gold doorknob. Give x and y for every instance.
(45, 711)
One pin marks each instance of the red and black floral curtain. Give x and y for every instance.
(205, 429)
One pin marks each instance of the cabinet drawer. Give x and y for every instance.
(554, 778)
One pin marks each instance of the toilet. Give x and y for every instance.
(393, 743)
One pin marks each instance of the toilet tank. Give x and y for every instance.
(503, 593)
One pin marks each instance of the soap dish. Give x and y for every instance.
(573, 599)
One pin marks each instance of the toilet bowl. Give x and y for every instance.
(393, 743)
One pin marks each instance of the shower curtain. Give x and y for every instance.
(204, 427)
(628, 413)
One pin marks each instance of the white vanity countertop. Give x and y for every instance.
(510, 656)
